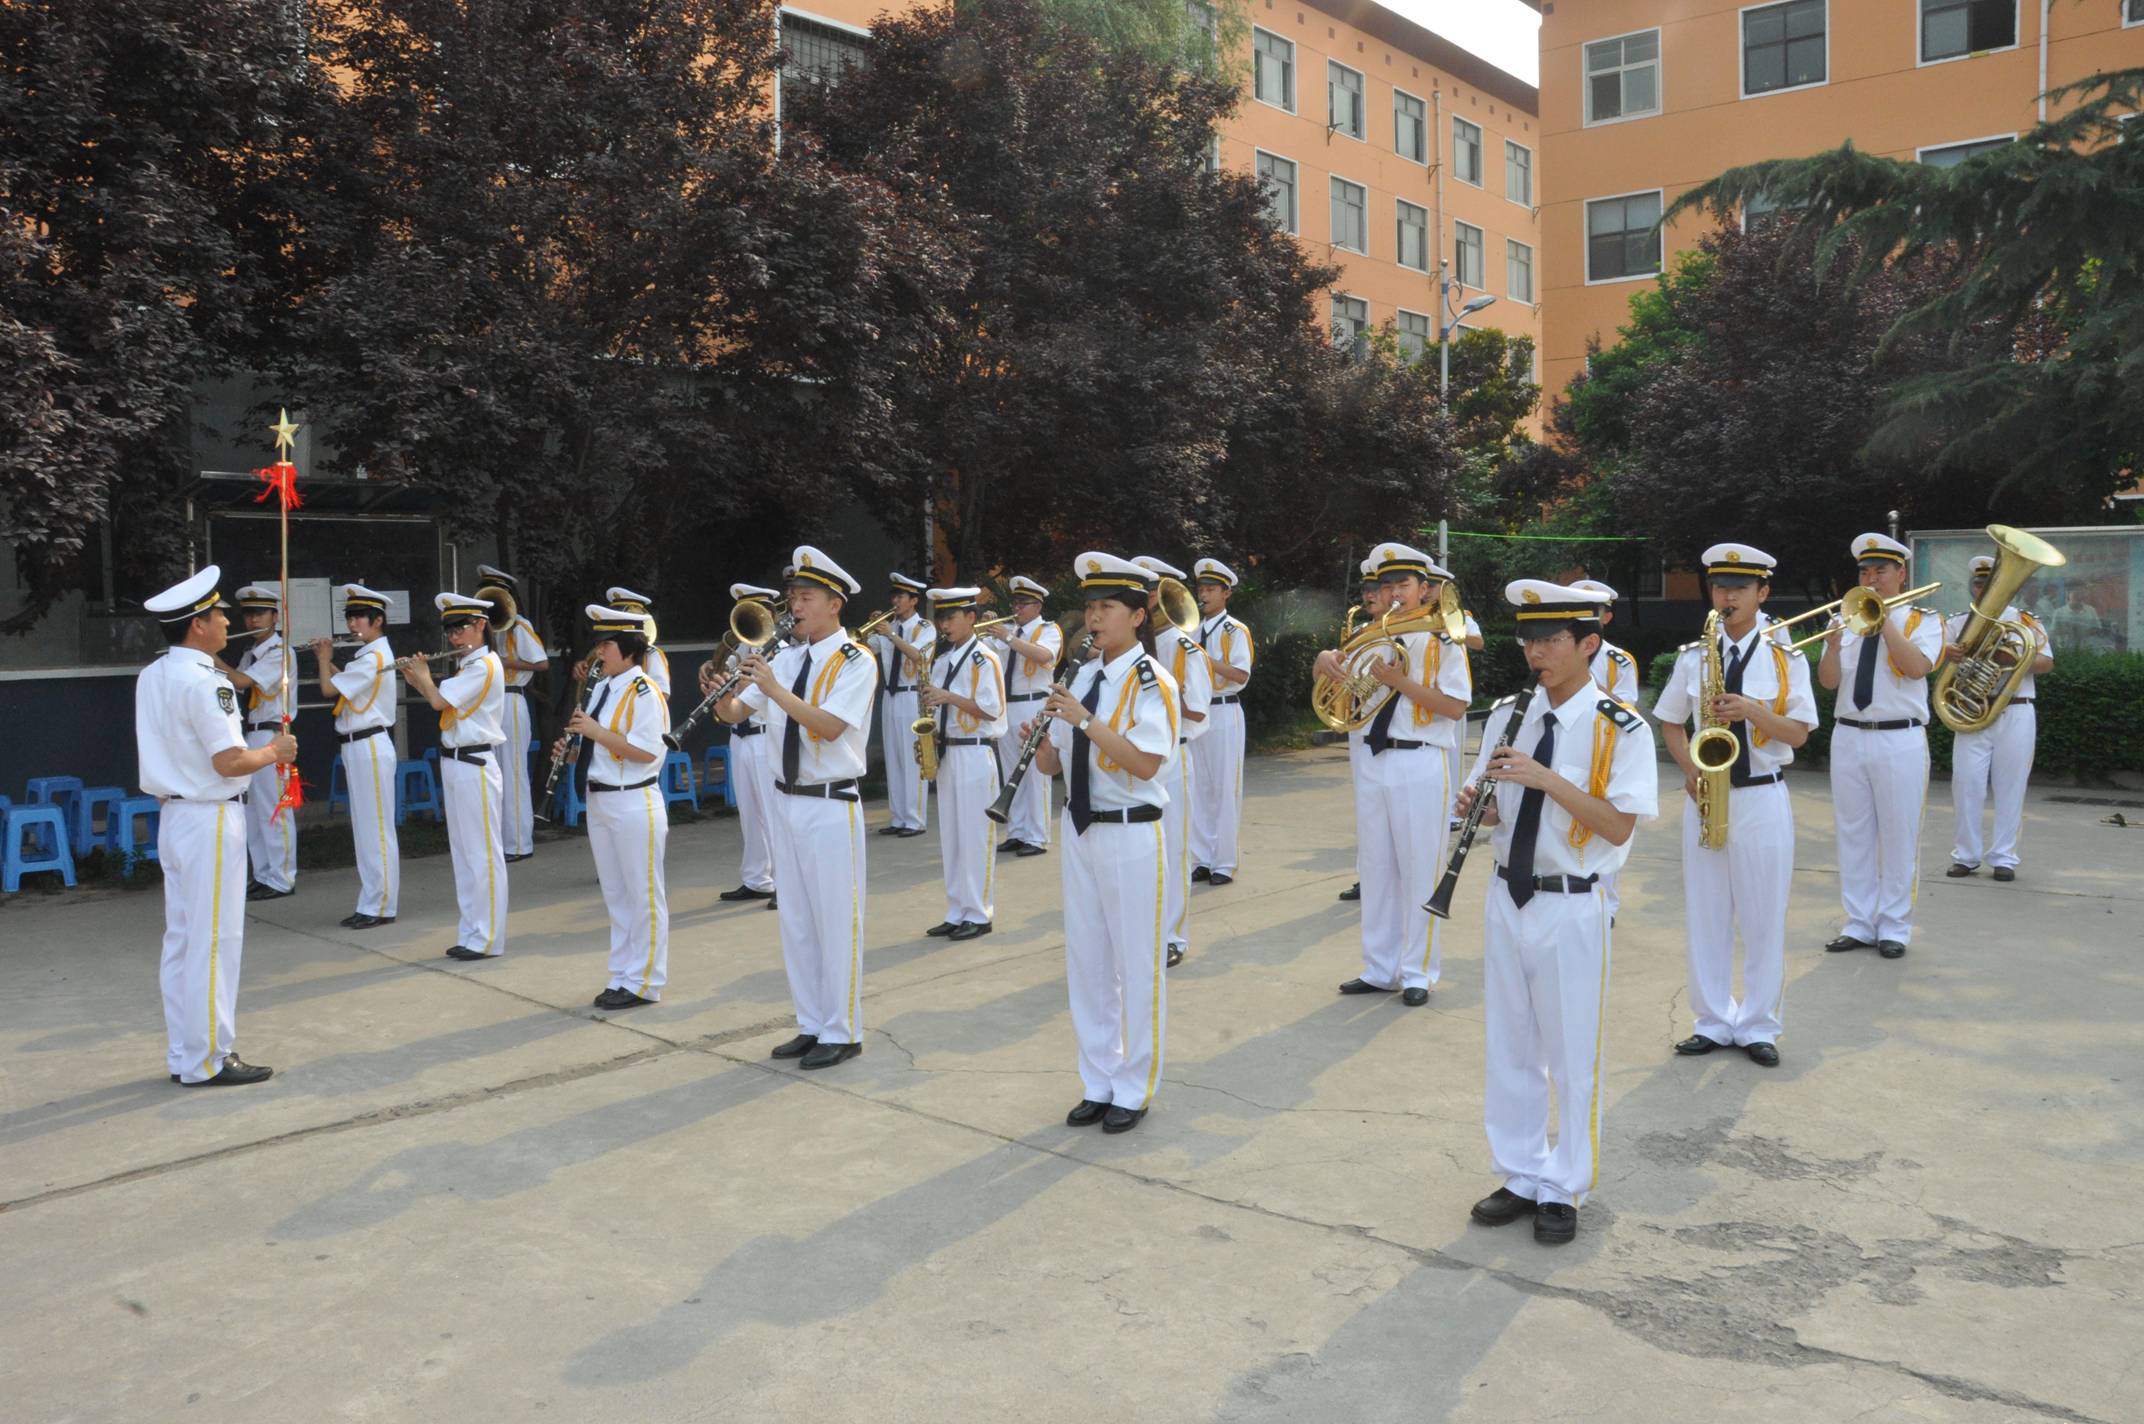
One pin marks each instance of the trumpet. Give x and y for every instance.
(987, 624)
(1971, 693)
(1715, 748)
(751, 626)
(1861, 610)
(864, 629)
(1351, 702)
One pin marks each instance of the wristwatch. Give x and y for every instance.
(1081, 726)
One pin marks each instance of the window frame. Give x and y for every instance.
(1585, 217)
(1742, 52)
(1332, 191)
(1423, 122)
(1359, 346)
(1288, 84)
(1429, 338)
(1920, 155)
(1533, 275)
(1399, 248)
(1526, 202)
(1920, 36)
(2121, 10)
(1481, 159)
(1481, 243)
(1362, 100)
(1295, 187)
(1660, 79)
(809, 17)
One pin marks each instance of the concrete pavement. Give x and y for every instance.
(468, 1195)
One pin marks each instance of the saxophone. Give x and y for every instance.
(1714, 748)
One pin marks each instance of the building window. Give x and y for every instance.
(816, 52)
(2132, 12)
(1415, 335)
(1466, 152)
(1466, 255)
(1410, 126)
(1351, 324)
(1518, 173)
(1273, 70)
(1414, 236)
(1783, 46)
(1951, 29)
(1952, 154)
(1351, 216)
(1761, 210)
(1343, 100)
(1623, 77)
(1622, 237)
(1278, 175)
(1519, 271)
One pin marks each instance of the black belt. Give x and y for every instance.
(971, 741)
(746, 729)
(2021, 701)
(515, 692)
(240, 798)
(1027, 697)
(270, 726)
(1553, 884)
(594, 786)
(349, 737)
(1400, 744)
(824, 790)
(1899, 725)
(1739, 780)
(897, 687)
(1134, 816)
(1224, 701)
(478, 755)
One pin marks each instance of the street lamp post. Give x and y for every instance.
(1453, 322)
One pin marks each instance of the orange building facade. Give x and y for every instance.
(1386, 148)
(1643, 99)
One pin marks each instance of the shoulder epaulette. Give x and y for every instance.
(642, 687)
(2028, 616)
(1621, 713)
(851, 650)
(1618, 655)
(1145, 669)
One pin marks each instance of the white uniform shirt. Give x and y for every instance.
(629, 705)
(522, 645)
(1440, 667)
(1136, 699)
(1473, 628)
(365, 689)
(1632, 778)
(1955, 625)
(1680, 700)
(656, 664)
(1178, 654)
(1023, 676)
(1616, 672)
(843, 680)
(184, 713)
(476, 702)
(972, 670)
(1227, 639)
(268, 701)
(1891, 697)
(893, 669)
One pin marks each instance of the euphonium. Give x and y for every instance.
(1971, 693)
(1350, 702)
(1714, 748)
(1179, 606)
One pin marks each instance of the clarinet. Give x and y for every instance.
(561, 758)
(1000, 810)
(675, 739)
(1440, 903)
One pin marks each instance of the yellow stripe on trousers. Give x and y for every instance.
(1161, 954)
(215, 945)
(1600, 1024)
(381, 810)
(491, 894)
(856, 928)
(647, 971)
(1183, 861)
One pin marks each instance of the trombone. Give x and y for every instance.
(1861, 610)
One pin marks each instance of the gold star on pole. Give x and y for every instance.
(286, 434)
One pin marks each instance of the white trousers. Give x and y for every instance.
(967, 839)
(271, 840)
(1217, 780)
(819, 865)
(2002, 754)
(1030, 819)
(1401, 813)
(368, 774)
(474, 792)
(1879, 782)
(628, 831)
(908, 795)
(201, 846)
(1116, 948)
(1178, 776)
(1544, 990)
(1743, 886)
(517, 819)
(753, 770)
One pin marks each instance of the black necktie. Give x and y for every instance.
(893, 665)
(1865, 671)
(1381, 727)
(1527, 828)
(792, 732)
(1737, 664)
(1079, 804)
(588, 744)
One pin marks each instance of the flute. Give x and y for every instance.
(1440, 903)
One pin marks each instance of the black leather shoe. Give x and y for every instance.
(1220, 878)
(1764, 1055)
(826, 1055)
(771, 899)
(1028, 848)
(906, 831)
(1555, 1223)
(745, 892)
(1697, 1045)
(1890, 949)
(1087, 1114)
(258, 891)
(944, 928)
(1846, 942)
(349, 921)
(1959, 870)
(1414, 998)
(366, 922)
(889, 830)
(1176, 955)
(1010, 843)
(1201, 875)
(1501, 1207)
(462, 951)
(1363, 986)
(620, 999)
(1353, 892)
(517, 859)
(969, 930)
(2003, 873)
(1121, 1119)
(797, 1047)
(235, 1073)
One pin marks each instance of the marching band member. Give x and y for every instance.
(1570, 791)
(1032, 647)
(752, 769)
(1879, 754)
(1110, 733)
(816, 695)
(472, 731)
(1373, 601)
(655, 662)
(1217, 772)
(195, 761)
(271, 840)
(628, 822)
(364, 693)
(1744, 884)
(1614, 672)
(1400, 820)
(966, 698)
(2001, 753)
(522, 655)
(903, 646)
(1179, 653)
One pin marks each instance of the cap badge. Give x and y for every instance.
(1734, 556)
(805, 562)
(1530, 596)
(1094, 566)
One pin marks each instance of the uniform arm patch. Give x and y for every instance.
(1620, 714)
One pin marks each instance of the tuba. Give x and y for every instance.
(1714, 748)
(503, 608)
(1971, 693)
(1351, 702)
(1177, 604)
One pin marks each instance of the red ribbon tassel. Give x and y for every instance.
(281, 479)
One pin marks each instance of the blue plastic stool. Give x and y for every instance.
(431, 757)
(718, 754)
(417, 789)
(338, 794)
(18, 858)
(142, 813)
(677, 781)
(568, 801)
(53, 790)
(82, 816)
